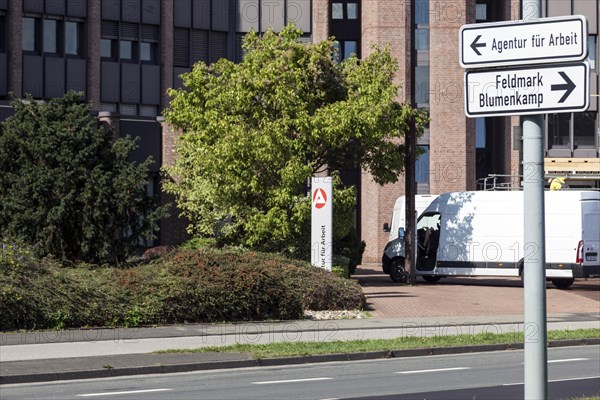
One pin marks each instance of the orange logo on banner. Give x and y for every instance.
(319, 198)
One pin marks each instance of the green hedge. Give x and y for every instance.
(206, 285)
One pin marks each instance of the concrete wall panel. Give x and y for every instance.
(131, 10)
(131, 83)
(220, 15)
(77, 8)
(76, 74)
(150, 90)
(201, 13)
(33, 75)
(183, 13)
(247, 15)
(55, 7)
(150, 143)
(54, 77)
(272, 15)
(111, 9)
(110, 81)
(298, 12)
(34, 6)
(151, 12)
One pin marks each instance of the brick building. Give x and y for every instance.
(125, 54)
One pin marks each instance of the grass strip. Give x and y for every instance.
(292, 349)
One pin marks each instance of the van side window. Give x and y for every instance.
(428, 234)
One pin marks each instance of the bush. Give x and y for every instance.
(206, 285)
(68, 186)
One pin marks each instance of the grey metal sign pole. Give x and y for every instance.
(534, 269)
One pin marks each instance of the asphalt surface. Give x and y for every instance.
(476, 306)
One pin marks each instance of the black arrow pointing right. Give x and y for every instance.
(475, 45)
(568, 86)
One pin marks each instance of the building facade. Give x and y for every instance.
(124, 55)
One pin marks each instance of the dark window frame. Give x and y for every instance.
(3, 36)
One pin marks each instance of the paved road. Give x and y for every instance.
(468, 296)
(493, 375)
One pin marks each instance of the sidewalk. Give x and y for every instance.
(90, 353)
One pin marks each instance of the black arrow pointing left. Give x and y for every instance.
(475, 45)
(568, 86)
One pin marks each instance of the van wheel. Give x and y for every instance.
(431, 278)
(562, 283)
(397, 272)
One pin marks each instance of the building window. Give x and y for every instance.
(422, 167)
(344, 49)
(422, 39)
(29, 34)
(50, 36)
(148, 46)
(73, 38)
(181, 46)
(107, 48)
(422, 85)
(422, 12)
(337, 10)
(352, 11)
(481, 12)
(128, 109)
(350, 48)
(126, 50)
(592, 56)
(559, 127)
(584, 128)
(146, 53)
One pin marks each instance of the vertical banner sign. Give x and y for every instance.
(321, 222)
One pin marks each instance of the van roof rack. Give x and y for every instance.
(587, 181)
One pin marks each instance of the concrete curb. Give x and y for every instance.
(211, 365)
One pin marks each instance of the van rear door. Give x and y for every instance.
(591, 236)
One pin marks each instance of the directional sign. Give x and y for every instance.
(527, 90)
(547, 40)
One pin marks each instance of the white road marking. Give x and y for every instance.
(433, 370)
(568, 360)
(291, 381)
(556, 380)
(126, 392)
(574, 379)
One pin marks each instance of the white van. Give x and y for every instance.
(395, 246)
(481, 234)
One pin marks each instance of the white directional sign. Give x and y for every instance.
(527, 90)
(547, 40)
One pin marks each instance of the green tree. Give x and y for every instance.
(68, 188)
(254, 132)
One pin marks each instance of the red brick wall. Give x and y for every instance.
(172, 229)
(452, 142)
(384, 22)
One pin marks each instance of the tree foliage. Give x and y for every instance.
(254, 132)
(68, 187)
